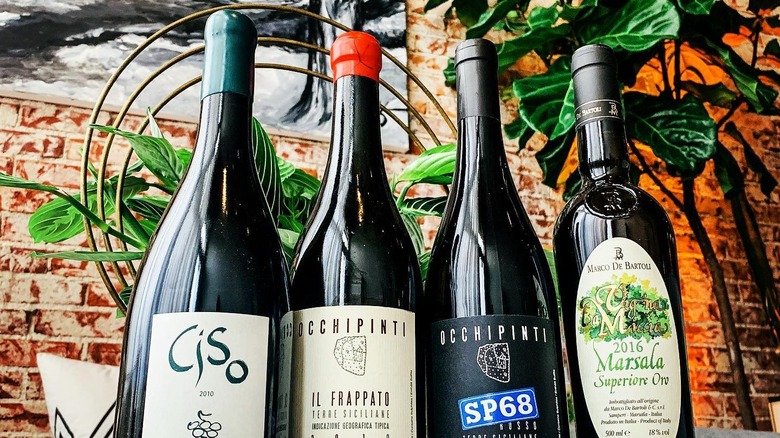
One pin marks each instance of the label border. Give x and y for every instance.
(482, 396)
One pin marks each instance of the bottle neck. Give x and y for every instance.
(602, 151)
(223, 158)
(356, 143)
(481, 161)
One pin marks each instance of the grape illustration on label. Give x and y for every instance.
(493, 360)
(203, 427)
(350, 353)
(624, 307)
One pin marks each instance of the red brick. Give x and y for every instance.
(9, 114)
(704, 334)
(14, 227)
(765, 383)
(44, 289)
(56, 174)
(11, 385)
(708, 405)
(105, 353)
(756, 337)
(23, 201)
(97, 295)
(33, 386)
(23, 262)
(55, 117)
(24, 417)
(13, 322)
(74, 269)
(78, 323)
(21, 352)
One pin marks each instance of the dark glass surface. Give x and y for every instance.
(608, 206)
(487, 259)
(216, 250)
(355, 249)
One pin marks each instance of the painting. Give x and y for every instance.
(71, 48)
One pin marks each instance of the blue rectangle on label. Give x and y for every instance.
(498, 407)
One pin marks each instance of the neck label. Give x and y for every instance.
(597, 109)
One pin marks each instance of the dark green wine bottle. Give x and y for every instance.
(617, 271)
(351, 331)
(201, 336)
(494, 350)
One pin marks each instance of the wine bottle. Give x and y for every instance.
(352, 369)
(202, 332)
(494, 346)
(617, 271)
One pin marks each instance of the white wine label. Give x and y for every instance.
(207, 376)
(352, 373)
(627, 344)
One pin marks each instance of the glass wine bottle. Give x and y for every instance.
(617, 271)
(201, 335)
(494, 348)
(352, 369)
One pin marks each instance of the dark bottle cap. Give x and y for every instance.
(596, 93)
(356, 54)
(229, 60)
(476, 69)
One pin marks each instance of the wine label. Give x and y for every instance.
(494, 376)
(627, 344)
(597, 109)
(352, 373)
(207, 375)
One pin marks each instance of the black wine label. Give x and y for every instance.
(597, 109)
(494, 376)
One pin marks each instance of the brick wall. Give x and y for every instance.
(62, 307)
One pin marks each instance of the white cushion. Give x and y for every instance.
(80, 396)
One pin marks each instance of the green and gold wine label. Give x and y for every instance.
(350, 373)
(627, 343)
(207, 375)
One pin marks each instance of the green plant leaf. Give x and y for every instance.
(420, 207)
(572, 13)
(425, 261)
(184, 156)
(727, 171)
(415, 232)
(434, 166)
(680, 132)
(149, 207)
(765, 178)
(21, 183)
(290, 223)
(432, 4)
(540, 39)
(469, 11)
(696, 7)
(552, 157)
(541, 16)
(758, 94)
(635, 26)
(449, 73)
(157, 154)
(520, 130)
(92, 256)
(550, 257)
(716, 94)
(285, 168)
(300, 184)
(289, 239)
(59, 219)
(267, 167)
(156, 132)
(546, 100)
(490, 17)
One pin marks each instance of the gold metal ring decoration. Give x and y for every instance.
(102, 168)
